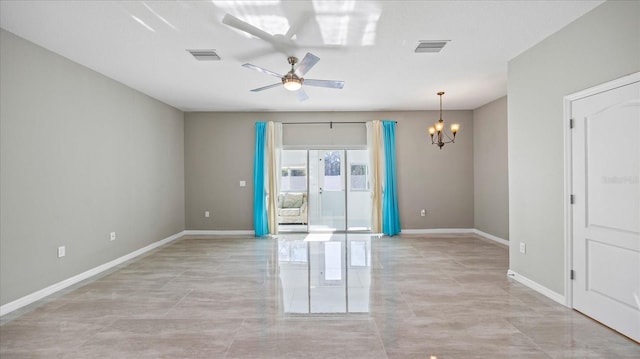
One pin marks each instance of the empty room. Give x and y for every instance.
(320, 179)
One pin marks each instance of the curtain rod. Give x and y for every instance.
(325, 122)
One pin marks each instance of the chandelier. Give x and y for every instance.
(437, 131)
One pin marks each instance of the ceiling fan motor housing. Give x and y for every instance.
(291, 81)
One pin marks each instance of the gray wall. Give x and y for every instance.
(490, 170)
(219, 153)
(601, 46)
(81, 156)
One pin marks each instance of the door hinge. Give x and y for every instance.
(572, 274)
(572, 199)
(570, 123)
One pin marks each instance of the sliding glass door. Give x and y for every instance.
(324, 190)
(293, 199)
(327, 200)
(358, 191)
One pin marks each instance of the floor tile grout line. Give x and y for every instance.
(384, 347)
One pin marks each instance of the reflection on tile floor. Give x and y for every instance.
(446, 296)
(324, 273)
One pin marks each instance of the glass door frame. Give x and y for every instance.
(345, 150)
(317, 192)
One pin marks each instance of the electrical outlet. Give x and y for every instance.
(112, 236)
(207, 214)
(62, 251)
(423, 212)
(243, 183)
(523, 248)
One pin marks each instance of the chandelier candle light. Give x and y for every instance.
(438, 129)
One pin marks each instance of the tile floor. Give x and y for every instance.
(441, 296)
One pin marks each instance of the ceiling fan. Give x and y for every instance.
(293, 79)
(281, 42)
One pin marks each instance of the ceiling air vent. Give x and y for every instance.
(430, 45)
(205, 55)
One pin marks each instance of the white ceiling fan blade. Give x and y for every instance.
(306, 64)
(302, 95)
(266, 87)
(335, 84)
(295, 28)
(234, 22)
(263, 70)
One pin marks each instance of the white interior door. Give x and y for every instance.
(606, 213)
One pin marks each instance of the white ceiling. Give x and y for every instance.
(368, 44)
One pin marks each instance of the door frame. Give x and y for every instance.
(344, 184)
(346, 149)
(568, 175)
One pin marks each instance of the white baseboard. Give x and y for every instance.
(456, 231)
(519, 278)
(491, 237)
(192, 232)
(438, 231)
(537, 287)
(35, 296)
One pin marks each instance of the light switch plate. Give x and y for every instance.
(243, 183)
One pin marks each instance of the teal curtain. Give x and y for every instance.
(260, 221)
(390, 213)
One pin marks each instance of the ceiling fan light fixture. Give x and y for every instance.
(293, 80)
(292, 83)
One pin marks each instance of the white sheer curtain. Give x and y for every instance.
(274, 150)
(376, 174)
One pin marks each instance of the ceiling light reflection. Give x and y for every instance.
(159, 16)
(334, 29)
(142, 23)
(244, 3)
(341, 24)
(323, 6)
(266, 15)
(369, 33)
(318, 237)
